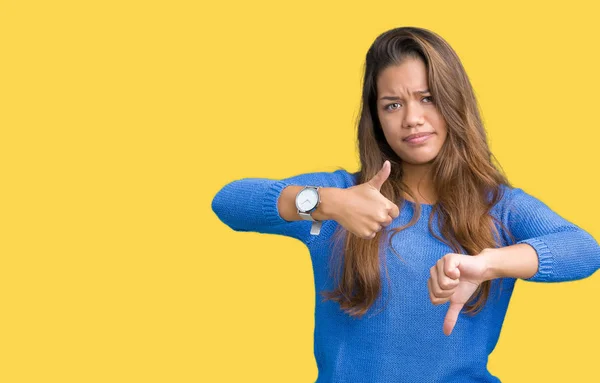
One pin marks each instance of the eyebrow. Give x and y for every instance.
(393, 98)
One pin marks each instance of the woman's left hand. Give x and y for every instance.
(454, 278)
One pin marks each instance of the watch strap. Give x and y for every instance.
(315, 228)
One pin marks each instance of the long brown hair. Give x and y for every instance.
(466, 181)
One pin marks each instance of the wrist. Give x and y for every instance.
(492, 266)
(514, 261)
(327, 208)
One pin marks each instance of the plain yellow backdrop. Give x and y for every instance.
(121, 120)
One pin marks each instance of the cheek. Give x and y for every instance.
(391, 135)
(438, 120)
(440, 125)
(390, 127)
(443, 132)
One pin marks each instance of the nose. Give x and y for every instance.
(413, 115)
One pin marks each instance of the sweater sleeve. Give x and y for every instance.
(250, 204)
(565, 251)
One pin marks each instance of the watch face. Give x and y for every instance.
(307, 199)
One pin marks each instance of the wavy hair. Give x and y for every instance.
(465, 178)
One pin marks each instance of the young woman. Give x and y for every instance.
(428, 212)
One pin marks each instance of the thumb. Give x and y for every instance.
(381, 176)
(454, 269)
(452, 317)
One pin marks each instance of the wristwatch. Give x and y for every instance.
(307, 201)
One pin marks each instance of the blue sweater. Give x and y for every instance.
(403, 341)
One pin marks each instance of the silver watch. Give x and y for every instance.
(307, 200)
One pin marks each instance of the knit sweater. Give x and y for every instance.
(400, 338)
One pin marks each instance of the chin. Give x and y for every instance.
(418, 160)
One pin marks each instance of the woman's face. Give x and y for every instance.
(405, 108)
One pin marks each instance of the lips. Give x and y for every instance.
(417, 135)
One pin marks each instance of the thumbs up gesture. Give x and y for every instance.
(454, 278)
(365, 210)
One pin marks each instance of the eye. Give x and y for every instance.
(387, 107)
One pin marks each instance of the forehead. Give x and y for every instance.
(405, 78)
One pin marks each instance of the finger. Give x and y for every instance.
(436, 301)
(451, 268)
(393, 211)
(451, 317)
(444, 281)
(429, 289)
(388, 221)
(381, 176)
(438, 292)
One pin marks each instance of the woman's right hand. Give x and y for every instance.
(365, 210)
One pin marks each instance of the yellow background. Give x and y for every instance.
(120, 120)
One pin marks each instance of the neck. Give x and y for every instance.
(419, 181)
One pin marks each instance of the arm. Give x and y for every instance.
(547, 248)
(326, 209)
(515, 261)
(268, 205)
